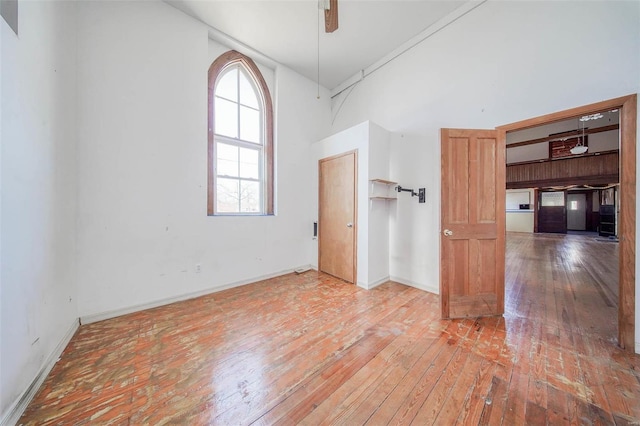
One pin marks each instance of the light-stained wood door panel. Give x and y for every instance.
(337, 216)
(472, 238)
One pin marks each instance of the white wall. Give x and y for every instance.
(519, 221)
(515, 197)
(379, 211)
(464, 77)
(142, 156)
(413, 238)
(605, 141)
(597, 142)
(538, 151)
(38, 307)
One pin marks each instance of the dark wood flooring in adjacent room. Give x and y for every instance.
(310, 349)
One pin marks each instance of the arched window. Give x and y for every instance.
(240, 138)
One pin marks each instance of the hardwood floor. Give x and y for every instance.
(310, 349)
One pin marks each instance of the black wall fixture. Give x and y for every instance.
(420, 194)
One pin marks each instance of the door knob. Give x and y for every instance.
(349, 225)
(447, 232)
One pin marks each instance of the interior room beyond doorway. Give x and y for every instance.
(564, 176)
(625, 168)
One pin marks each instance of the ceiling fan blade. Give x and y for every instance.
(331, 17)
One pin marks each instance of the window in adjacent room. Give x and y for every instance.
(240, 138)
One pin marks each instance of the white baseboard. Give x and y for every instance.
(17, 408)
(88, 319)
(378, 282)
(430, 289)
(369, 286)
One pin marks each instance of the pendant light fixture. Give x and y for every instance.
(580, 148)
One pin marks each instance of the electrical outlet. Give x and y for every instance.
(421, 195)
(198, 268)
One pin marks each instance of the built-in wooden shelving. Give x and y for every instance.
(383, 181)
(382, 189)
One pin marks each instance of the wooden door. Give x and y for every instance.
(552, 212)
(472, 239)
(337, 230)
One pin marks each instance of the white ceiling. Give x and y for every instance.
(287, 31)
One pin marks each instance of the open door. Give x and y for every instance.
(472, 239)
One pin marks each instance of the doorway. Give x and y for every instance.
(337, 215)
(576, 212)
(552, 216)
(627, 107)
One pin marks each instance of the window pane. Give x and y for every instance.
(249, 124)
(227, 195)
(552, 199)
(227, 161)
(227, 86)
(247, 93)
(249, 163)
(250, 197)
(226, 119)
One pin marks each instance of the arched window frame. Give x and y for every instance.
(222, 63)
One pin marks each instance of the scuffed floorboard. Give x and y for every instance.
(311, 349)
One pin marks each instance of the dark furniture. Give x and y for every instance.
(607, 226)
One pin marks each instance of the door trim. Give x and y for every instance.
(627, 226)
(355, 209)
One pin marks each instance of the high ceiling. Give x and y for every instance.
(287, 31)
